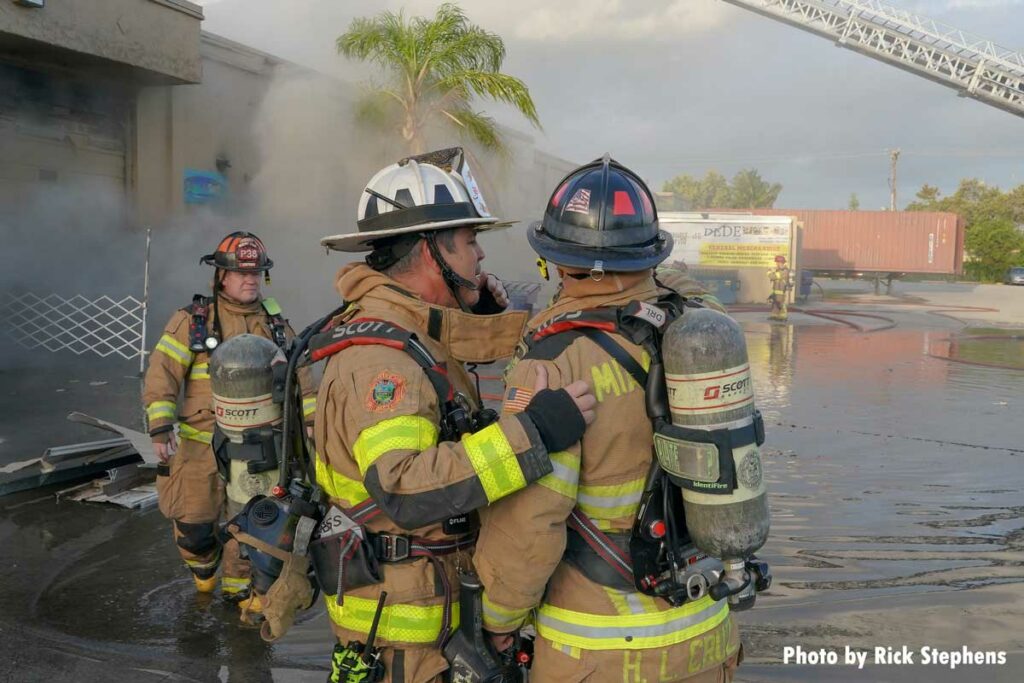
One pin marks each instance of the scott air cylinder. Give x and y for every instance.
(707, 375)
(242, 380)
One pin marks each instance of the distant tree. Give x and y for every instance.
(746, 191)
(854, 202)
(993, 245)
(435, 68)
(994, 219)
(691, 194)
(973, 199)
(750, 191)
(926, 198)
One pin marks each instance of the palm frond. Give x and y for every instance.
(494, 86)
(476, 126)
(437, 65)
(386, 40)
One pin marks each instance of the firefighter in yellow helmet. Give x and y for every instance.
(600, 229)
(404, 450)
(191, 493)
(781, 280)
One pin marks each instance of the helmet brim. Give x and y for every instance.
(211, 260)
(355, 242)
(616, 259)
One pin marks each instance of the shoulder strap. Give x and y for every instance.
(376, 332)
(621, 356)
(199, 315)
(553, 337)
(277, 322)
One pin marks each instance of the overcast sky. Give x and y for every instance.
(683, 86)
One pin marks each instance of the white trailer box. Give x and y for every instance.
(732, 250)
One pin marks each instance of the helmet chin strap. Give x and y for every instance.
(454, 281)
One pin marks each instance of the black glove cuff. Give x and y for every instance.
(558, 420)
(156, 431)
(487, 305)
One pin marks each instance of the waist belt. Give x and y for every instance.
(398, 547)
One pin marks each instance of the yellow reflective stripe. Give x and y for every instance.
(200, 371)
(497, 616)
(337, 486)
(232, 585)
(612, 501)
(633, 631)
(406, 433)
(573, 652)
(161, 410)
(193, 434)
(494, 461)
(174, 349)
(565, 478)
(308, 406)
(399, 623)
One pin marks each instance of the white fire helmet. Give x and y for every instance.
(433, 191)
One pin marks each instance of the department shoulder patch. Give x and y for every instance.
(386, 392)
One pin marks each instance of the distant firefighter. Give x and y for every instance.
(192, 493)
(782, 281)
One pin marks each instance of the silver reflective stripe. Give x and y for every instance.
(635, 606)
(623, 632)
(609, 501)
(567, 474)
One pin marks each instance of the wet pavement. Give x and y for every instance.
(895, 482)
(895, 479)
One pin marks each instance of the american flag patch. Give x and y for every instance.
(516, 400)
(580, 202)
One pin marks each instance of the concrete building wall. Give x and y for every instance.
(192, 126)
(293, 163)
(158, 40)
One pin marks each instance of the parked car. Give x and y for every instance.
(1015, 276)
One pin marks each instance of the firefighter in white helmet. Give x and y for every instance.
(403, 447)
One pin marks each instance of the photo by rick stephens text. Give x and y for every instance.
(892, 656)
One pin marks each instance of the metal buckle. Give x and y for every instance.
(393, 547)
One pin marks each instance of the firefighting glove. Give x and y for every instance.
(557, 418)
(493, 297)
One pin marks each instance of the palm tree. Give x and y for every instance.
(434, 69)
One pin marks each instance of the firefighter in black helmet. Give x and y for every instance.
(192, 495)
(601, 218)
(601, 231)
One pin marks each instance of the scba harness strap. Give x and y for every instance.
(199, 328)
(590, 549)
(349, 558)
(377, 332)
(457, 417)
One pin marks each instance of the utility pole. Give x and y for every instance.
(894, 155)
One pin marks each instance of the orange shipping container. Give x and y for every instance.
(878, 241)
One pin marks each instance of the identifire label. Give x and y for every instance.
(892, 656)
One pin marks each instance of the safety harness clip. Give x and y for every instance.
(392, 547)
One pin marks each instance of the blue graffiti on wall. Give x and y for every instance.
(204, 187)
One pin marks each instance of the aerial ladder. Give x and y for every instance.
(972, 66)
